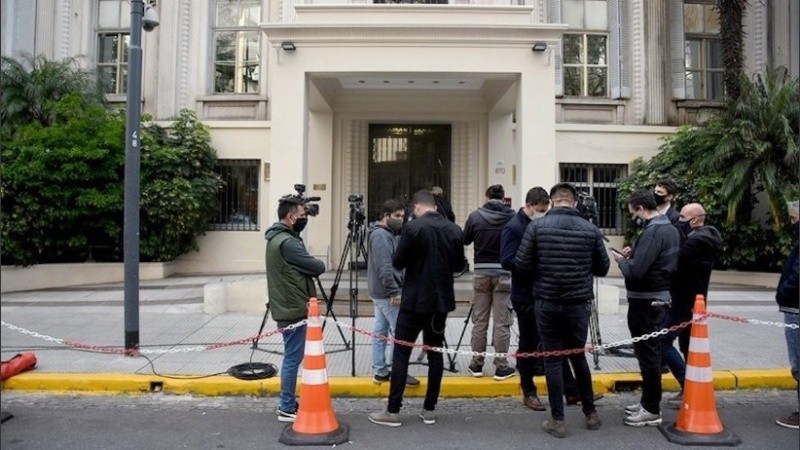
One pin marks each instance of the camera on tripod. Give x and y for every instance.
(357, 214)
(312, 209)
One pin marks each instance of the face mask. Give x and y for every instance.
(300, 225)
(684, 227)
(394, 224)
(660, 199)
(536, 215)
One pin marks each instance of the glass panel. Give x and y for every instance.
(573, 81)
(573, 49)
(250, 78)
(107, 48)
(122, 84)
(711, 18)
(226, 46)
(716, 87)
(108, 78)
(126, 43)
(694, 84)
(223, 77)
(597, 82)
(125, 14)
(108, 15)
(692, 50)
(692, 18)
(596, 49)
(252, 48)
(714, 54)
(238, 13)
(251, 14)
(227, 12)
(596, 15)
(572, 13)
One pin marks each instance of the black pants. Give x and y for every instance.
(408, 327)
(643, 318)
(529, 342)
(563, 326)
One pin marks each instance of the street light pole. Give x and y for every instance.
(132, 172)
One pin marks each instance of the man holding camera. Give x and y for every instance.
(290, 280)
(561, 252)
(430, 250)
(384, 283)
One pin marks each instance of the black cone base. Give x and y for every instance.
(335, 437)
(725, 438)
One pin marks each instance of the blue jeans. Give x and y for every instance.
(294, 346)
(669, 354)
(791, 343)
(385, 322)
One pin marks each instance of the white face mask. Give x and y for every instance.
(536, 215)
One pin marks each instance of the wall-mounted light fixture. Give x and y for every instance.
(288, 46)
(539, 46)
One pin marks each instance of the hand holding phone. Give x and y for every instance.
(618, 252)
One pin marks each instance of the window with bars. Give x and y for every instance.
(237, 46)
(703, 50)
(238, 200)
(113, 40)
(585, 53)
(600, 182)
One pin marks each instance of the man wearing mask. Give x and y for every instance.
(491, 284)
(794, 218)
(385, 282)
(700, 248)
(430, 250)
(290, 282)
(647, 268)
(664, 193)
(788, 298)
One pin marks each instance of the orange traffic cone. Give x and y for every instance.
(316, 423)
(698, 422)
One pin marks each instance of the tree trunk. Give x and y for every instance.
(732, 35)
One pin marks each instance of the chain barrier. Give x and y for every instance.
(389, 339)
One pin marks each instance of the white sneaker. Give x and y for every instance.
(643, 418)
(633, 409)
(428, 417)
(385, 418)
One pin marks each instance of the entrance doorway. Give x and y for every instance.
(404, 159)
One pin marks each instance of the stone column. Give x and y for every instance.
(657, 56)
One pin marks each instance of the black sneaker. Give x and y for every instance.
(476, 370)
(286, 416)
(378, 379)
(504, 373)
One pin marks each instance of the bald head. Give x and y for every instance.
(694, 213)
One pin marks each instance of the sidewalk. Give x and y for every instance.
(171, 318)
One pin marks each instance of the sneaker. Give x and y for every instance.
(411, 381)
(385, 418)
(286, 416)
(576, 399)
(378, 379)
(504, 373)
(533, 402)
(428, 417)
(476, 370)
(793, 421)
(633, 409)
(642, 418)
(593, 421)
(555, 427)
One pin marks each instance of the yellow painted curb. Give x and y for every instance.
(452, 386)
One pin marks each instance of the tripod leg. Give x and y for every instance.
(261, 328)
(329, 312)
(463, 330)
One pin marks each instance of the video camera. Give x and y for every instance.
(587, 206)
(357, 215)
(312, 209)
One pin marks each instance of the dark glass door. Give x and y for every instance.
(404, 159)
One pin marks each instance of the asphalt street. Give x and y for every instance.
(158, 421)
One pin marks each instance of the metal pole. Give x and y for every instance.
(132, 166)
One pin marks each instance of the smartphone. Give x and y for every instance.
(616, 251)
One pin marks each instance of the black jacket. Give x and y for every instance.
(654, 256)
(788, 294)
(430, 250)
(445, 208)
(521, 284)
(561, 251)
(698, 254)
(484, 227)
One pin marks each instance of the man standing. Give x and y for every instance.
(430, 250)
(537, 202)
(561, 252)
(664, 193)
(647, 268)
(788, 298)
(699, 251)
(290, 282)
(491, 284)
(384, 282)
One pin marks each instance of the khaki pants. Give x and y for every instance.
(491, 294)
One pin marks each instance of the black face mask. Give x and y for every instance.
(660, 199)
(300, 225)
(639, 222)
(684, 227)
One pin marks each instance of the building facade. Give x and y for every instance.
(382, 98)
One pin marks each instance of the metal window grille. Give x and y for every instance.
(600, 182)
(238, 199)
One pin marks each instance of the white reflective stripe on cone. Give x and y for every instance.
(696, 317)
(699, 345)
(314, 348)
(699, 374)
(315, 321)
(315, 377)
